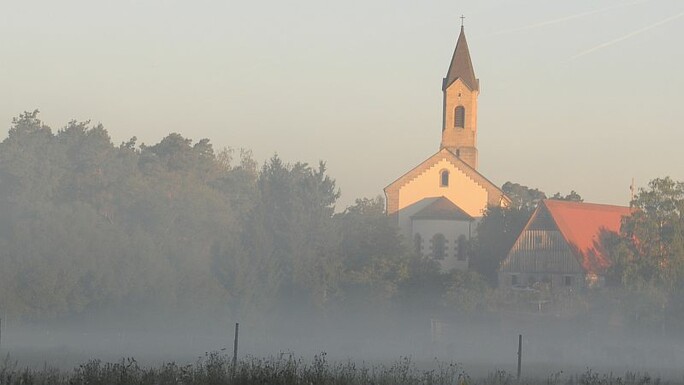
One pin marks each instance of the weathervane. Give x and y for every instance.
(462, 18)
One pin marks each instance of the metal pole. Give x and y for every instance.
(235, 346)
(519, 354)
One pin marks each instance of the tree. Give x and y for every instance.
(523, 198)
(648, 257)
(499, 228)
(292, 223)
(495, 235)
(467, 292)
(655, 232)
(87, 226)
(572, 197)
(372, 254)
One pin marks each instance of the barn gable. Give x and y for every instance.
(562, 242)
(541, 248)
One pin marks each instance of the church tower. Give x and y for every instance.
(436, 204)
(459, 117)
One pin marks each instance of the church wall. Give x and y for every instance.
(462, 190)
(404, 216)
(452, 230)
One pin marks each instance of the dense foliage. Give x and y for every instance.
(89, 227)
(648, 255)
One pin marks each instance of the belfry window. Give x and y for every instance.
(444, 178)
(459, 117)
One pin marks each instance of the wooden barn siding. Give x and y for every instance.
(541, 251)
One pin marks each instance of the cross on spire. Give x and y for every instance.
(462, 18)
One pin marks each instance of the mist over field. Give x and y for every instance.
(480, 346)
(156, 251)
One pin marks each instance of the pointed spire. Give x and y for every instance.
(461, 66)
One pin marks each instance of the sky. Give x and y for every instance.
(577, 95)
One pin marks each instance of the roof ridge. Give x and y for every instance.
(437, 203)
(587, 205)
(468, 170)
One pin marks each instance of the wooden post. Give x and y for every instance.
(519, 354)
(235, 346)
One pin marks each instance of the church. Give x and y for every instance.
(436, 204)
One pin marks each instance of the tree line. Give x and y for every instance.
(87, 226)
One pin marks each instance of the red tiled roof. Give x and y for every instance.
(581, 224)
(442, 208)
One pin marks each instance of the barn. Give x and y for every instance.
(561, 246)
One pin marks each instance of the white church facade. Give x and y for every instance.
(437, 204)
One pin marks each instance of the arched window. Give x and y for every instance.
(462, 248)
(459, 117)
(438, 246)
(418, 244)
(444, 178)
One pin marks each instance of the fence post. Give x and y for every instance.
(519, 354)
(235, 346)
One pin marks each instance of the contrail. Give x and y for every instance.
(627, 36)
(566, 18)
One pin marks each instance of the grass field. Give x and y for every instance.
(217, 369)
